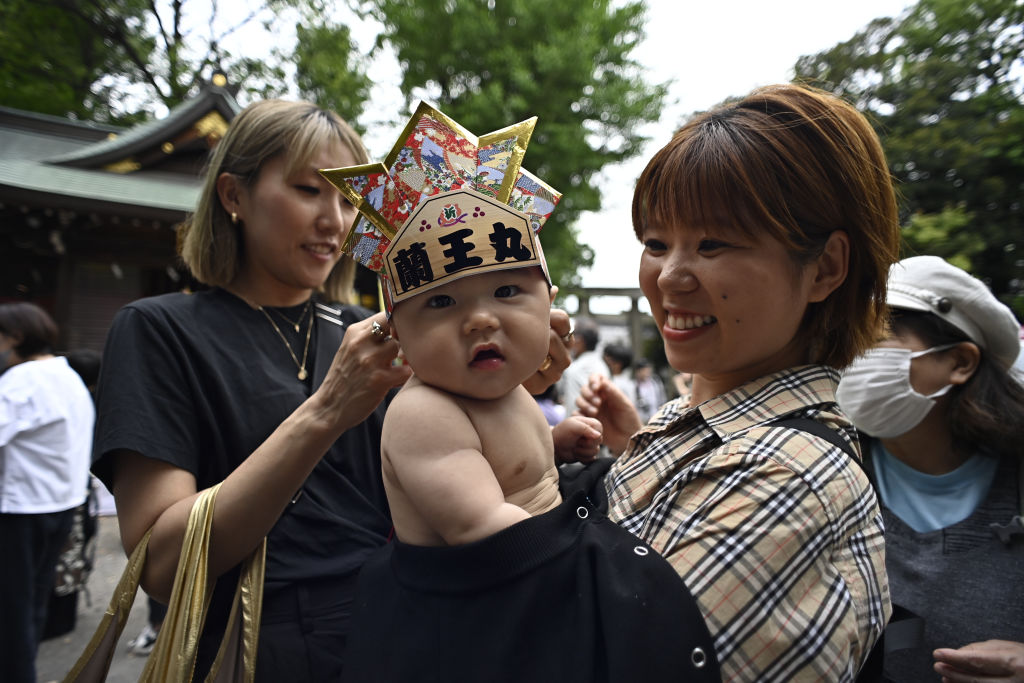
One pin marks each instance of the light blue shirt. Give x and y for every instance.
(928, 502)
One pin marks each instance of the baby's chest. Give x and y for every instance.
(518, 453)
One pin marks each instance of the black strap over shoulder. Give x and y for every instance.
(905, 629)
(806, 424)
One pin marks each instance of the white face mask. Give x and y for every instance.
(876, 395)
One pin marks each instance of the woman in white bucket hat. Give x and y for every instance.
(944, 417)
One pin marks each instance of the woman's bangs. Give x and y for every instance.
(315, 132)
(692, 187)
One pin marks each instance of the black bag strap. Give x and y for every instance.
(806, 424)
(905, 629)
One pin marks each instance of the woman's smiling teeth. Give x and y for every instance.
(322, 249)
(689, 322)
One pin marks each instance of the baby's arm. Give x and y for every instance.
(436, 458)
(577, 439)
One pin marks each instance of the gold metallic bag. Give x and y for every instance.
(174, 654)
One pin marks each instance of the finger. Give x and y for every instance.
(558, 348)
(380, 327)
(550, 369)
(558, 352)
(399, 375)
(589, 406)
(560, 322)
(971, 662)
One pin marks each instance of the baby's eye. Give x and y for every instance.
(308, 189)
(440, 301)
(506, 291)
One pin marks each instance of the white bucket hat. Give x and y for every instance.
(929, 283)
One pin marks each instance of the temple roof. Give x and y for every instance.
(149, 170)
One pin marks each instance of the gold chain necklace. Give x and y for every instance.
(309, 331)
(293, 323)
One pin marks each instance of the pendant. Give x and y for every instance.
(302, 373)
(296, 328)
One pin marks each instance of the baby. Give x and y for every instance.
(466, 450)
(483, 537)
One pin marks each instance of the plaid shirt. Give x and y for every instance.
(775, 532)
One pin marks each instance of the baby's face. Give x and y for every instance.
(479, 336)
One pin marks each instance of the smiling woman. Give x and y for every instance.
(767, 227)
(266, 383)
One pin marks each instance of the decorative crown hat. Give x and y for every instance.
(445, 204)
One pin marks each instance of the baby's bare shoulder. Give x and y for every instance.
(422, 418)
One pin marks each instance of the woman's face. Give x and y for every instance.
(293, 227)
(928, 373)
(728, 305)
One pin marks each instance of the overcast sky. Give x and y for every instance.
(712, 50)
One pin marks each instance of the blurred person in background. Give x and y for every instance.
(46, 423)
(554, 411)
(945, 424)
(650, 391)
(586, 361)
(76, 557)
(619, 358)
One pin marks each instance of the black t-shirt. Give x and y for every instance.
(201, 380)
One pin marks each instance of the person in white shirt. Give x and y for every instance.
(619, 358)
(586, 361)
(46, 423)
(650, 392)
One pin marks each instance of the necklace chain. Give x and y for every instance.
(293, 323)
(309, 331)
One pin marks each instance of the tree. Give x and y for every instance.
(53, 53)
(121, 61)
(943, 85)
(328, 71)
(490, 63)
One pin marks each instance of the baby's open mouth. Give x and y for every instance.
(487, 354)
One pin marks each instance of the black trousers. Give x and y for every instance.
(30, 545)
(304, 631)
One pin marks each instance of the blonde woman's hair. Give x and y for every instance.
(208, 243)
(797, 164)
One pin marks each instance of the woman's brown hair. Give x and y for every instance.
(209, 244)
(797, 164)
(30, 326)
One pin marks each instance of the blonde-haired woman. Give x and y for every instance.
(268, 381)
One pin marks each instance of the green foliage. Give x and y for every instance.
(943, 83)
(54, 53)
(120, 61)
(944, 234)
(327, 72)
(490, 63)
